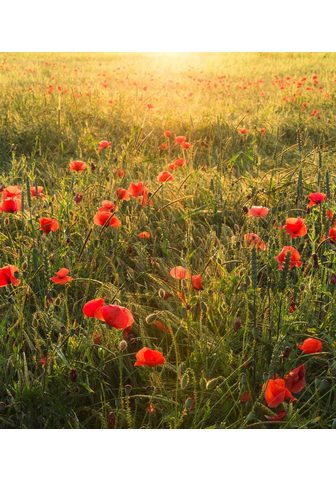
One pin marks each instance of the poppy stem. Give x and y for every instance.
(84, 244)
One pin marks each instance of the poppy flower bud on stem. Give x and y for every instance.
(123, 345)
(73, 374)
(78, 198)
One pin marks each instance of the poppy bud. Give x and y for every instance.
(123, 345)
(73, 374)
(324, 386)
(78, 198)
(245, 209)
(333, 279)
(6, 221)
(237, 324)
(93, 167)
(287, 352)
(188, 404)
(111, 420)
(161, 293)
(24, 266)
(128, 389)
(58, 301)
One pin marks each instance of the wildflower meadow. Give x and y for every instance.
(168, 240)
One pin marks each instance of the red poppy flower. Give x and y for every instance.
(179, 273)
(144, 235)
(7, 276)
(103, 217)
(164, 146)
(164, 177)
(149, 358)
(106, 205)
(77, 166)
(292, 308)
(61, 277)
(150, 106)
(258, 211)
(103, 144)
(329, 214)
(295, 380)
(311, 345)
(332, 235)
(48, 225)
(263, 131)
(296, 227)
(180, 139)
(167, 133)
(136, 189)
(120, 173)
(294, 257)
(117, 316)
(144, 198)
(39, 192)
(123, 194)
(179, 162)
(10, 205)
(185, 145)
(316, 198)
(93, 308)
(243, 131)
(11, 191)
(276, 392)
(253, 240)
(196, 281)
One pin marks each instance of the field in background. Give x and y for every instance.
(260, 130)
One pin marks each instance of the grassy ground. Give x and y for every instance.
(61, 369)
